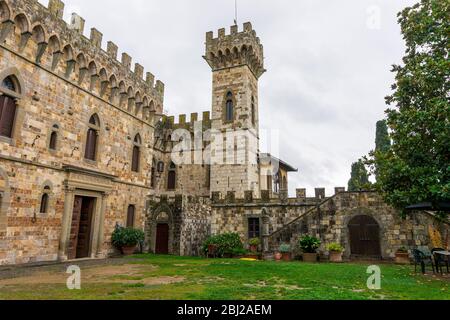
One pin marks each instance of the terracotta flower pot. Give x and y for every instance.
(254, 248)
(335, 256)
(278, 256)
(402, 258)
(128, 250)
(310, 257)
(287, 256)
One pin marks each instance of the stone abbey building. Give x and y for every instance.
(84, 146)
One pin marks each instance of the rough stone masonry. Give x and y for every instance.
(85, 146)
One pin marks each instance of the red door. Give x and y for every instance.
(162, 239)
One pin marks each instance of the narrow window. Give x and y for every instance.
(53, 140)
(229, 107)
(92, 138)
(131, 216)
(7, 109)
(253, 228)
(153, 175)
(253, 111)
(136, 154)
(172, 177)
(269, 182)
(44, 200)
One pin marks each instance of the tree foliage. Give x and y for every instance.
(359, 177)
(382, 141)
(416, 168)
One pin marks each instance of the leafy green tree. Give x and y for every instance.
(382, 141)
(417, 166)
(359, 177)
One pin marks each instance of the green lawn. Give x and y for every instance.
(234, 279)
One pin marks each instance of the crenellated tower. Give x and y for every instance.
(237, 62)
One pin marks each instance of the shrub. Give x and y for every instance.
(402, 250)
(124, 237)
(226, 243)
(254, 242)
(335, 247)
(309, 244)
(285, 248)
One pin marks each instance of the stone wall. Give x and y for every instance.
(64, 78)
(189, 220)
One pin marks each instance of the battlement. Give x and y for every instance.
(185, 123)
(235, 49)
(62, 47)
(267, 197)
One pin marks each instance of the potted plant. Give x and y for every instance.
(336, 251)
(127, 239)
(285, 250)
(402, 256)
(278, 256)
(309, 246)
(254, 244)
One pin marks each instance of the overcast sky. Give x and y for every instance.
(328, 65)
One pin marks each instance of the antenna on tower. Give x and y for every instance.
(235, 13)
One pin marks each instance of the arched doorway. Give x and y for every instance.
(364, 234)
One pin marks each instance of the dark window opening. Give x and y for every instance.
(135, 160)
(172, 177)
(8, 83)
(229, 107)
(253, 228)
(7, 115)
(53, 140)
(131, 216)
(44, 203)
(253, 111)
(91, 144)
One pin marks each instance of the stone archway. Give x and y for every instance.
(364, 236)
(160, 230)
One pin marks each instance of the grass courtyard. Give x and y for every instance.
(177, 278)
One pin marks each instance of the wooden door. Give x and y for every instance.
(73, 240)
(84, 232)
(364, 237)
(162, 239)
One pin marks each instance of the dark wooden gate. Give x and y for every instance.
(364, 237)
(80, 231)
(162, 239)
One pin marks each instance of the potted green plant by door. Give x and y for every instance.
(285, 250)
(336, 251)
(127, 239)
(402, 256)
(254, 244)
(309, 246)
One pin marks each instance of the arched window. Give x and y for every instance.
(131, 216)
(229, 108)
(135, 161)
(172, 177)
(44, 200)
(8, 87)
(53, 141)
(92, 138)
(253, 111)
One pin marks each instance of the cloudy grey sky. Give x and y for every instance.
(328, 65)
